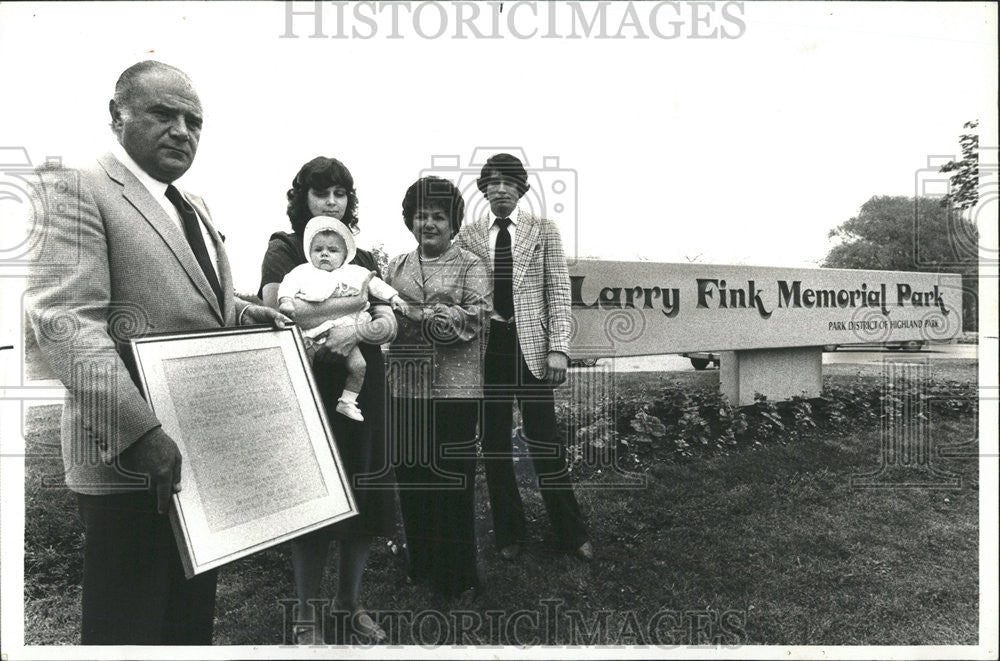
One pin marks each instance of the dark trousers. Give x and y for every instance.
(134, 590)
(507, 379)
(435, 462)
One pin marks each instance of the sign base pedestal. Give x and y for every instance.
(778, 374)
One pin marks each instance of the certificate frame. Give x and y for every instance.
(244, 487)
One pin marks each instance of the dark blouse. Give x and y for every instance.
(362, 445)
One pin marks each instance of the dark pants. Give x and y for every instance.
(134, 590)
(435, 462)
(507, 378)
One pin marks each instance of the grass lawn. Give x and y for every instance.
(771, 546)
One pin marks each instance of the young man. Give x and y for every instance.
(123, 254)
(526, 357)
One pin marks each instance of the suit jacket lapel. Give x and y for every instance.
(140, 198)
(222, 262)
(524, 245)
(479, 242)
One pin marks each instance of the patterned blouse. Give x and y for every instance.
(441, 357)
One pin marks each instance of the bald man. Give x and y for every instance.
(123, 254)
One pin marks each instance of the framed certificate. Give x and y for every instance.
(259, 463)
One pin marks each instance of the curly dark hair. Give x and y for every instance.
(507, 166)
(318, 174)
(434, 193)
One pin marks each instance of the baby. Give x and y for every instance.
(329, 247)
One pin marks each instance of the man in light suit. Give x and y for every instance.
(526, 355)
(124, 253)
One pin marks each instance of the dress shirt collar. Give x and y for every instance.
(513, 217)
(157, 189)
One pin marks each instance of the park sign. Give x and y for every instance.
(639, 308)
(643, 308)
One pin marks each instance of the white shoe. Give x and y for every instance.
(350, 410)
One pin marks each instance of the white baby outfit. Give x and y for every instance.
(316, 285)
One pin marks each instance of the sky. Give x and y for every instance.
(739, 150)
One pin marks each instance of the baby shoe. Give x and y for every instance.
(349, 409)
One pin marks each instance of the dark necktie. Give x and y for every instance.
(503, 272)
(192, 230)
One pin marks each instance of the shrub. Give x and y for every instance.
(680, 423)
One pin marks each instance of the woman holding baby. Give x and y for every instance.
(442, 298)
(349, 371)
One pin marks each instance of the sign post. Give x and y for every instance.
(779, 374)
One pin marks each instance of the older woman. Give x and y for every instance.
(325, 187)
(435, 373)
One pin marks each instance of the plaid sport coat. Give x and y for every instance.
(541, 284)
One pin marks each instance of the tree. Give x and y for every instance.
(897, 233)
(964, 193)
